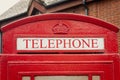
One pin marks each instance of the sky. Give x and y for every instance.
(6, 4)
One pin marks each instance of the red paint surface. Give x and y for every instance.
(59, 25)
(13, 65)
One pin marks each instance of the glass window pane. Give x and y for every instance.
(26, 78)
(95, 77)
(61, 78)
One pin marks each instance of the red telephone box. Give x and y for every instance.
(59, 46)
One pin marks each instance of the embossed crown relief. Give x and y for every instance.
(61, 28)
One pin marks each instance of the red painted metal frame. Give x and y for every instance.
(62, 73)
(15, 66)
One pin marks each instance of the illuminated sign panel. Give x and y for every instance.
(60, 43)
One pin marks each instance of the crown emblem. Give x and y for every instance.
(60, 28)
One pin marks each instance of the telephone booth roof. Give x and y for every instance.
(61, 16)
(85, 34)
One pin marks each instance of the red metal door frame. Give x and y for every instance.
(63, 73)
(15, 66)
